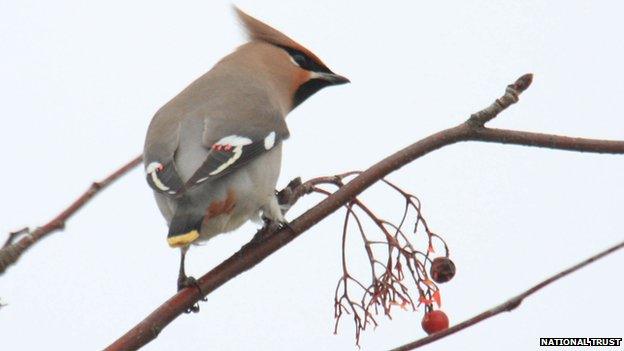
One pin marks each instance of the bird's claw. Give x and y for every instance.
(285, 224)
(270, 227)
(186, 282)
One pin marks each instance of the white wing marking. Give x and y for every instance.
(234, 140)
(152, 170)
(237, 152)
(269, 141)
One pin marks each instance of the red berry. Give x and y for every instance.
(435, 321)
(442, 269)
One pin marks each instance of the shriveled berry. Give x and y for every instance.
(442, 269)
(435, 321)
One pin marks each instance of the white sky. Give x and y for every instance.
(80, 81)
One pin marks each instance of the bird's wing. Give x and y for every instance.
(159, 154)
(235, 142)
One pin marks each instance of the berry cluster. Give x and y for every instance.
(442, 270)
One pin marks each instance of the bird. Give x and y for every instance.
(212, 154)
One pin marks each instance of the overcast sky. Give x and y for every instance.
(80, 81)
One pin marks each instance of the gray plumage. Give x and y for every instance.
(229, 100)
(213, 153)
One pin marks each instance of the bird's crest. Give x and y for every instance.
(260, 31)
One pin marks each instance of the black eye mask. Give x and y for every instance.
(304, 61)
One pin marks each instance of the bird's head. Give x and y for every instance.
(293, 69)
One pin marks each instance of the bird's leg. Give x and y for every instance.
(273, 212)
(185, 281)
(284, 224)
(270, 226)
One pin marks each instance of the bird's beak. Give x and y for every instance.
(337, 79)
(331, 78)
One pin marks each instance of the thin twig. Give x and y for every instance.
(10, 253)
(507, 306)
(250, 255)
(511, 96)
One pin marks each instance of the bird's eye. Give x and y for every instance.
(299, 59)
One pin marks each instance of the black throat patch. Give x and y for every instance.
(308, 89)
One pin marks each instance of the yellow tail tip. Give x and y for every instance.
(183, 239)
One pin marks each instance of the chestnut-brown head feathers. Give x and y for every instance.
(308, 73)
(260, 31)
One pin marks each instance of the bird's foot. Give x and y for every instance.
(270, 227)
(187, 282)
(284, 224)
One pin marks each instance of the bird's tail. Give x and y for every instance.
(184, 228)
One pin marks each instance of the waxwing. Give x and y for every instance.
(213, 153)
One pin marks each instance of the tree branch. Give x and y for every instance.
(253, 253)
(507, 306)
(504, 136)
(11, 251)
